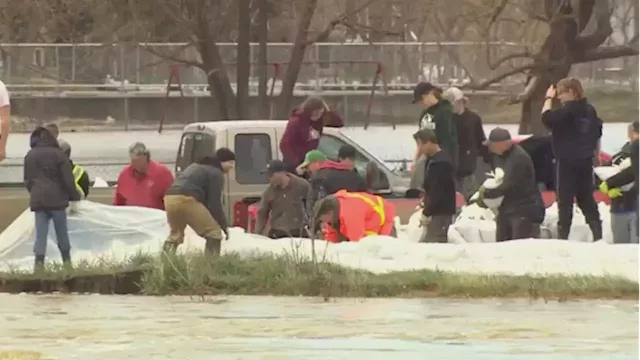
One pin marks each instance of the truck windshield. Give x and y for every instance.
(193, 147)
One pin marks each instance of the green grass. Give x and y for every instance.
(289, 276)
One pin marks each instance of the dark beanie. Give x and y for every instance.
(225, 154)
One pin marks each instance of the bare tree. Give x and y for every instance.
(554, 35)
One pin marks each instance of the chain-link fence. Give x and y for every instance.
(29, 65)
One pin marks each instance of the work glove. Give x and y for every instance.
(604, 188)
(226, 234)
(425, 220)
(614, 193)
(73, 208)
(480, 200)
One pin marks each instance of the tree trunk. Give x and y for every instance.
(218, 80)
(295, 62)
(263, 18)
(243, 59)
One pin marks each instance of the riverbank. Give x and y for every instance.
(288, 275)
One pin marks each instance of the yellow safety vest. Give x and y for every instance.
(78, 171)
(377, 207)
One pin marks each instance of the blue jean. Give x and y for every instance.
(59, 218)
(624, 227)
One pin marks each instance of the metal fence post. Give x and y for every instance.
(8, 73)
(57, 57)
(316, 47)
(73, 62)
(137, 64)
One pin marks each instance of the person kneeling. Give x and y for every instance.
(195, 199)
(351, 216)
(439, 204)
(521, 211)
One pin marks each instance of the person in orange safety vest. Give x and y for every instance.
(351, 216)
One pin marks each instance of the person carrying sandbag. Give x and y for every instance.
(624, 204)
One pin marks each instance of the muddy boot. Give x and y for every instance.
(66, 261)
(38, 266)
(212, 246)
(170, 247)
(596, 230)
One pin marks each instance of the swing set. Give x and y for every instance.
(378, 77)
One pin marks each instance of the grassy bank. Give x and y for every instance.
(285, 275)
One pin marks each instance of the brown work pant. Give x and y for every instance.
(185, 210)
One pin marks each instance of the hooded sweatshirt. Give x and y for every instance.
(439, 118)
(575, 130)
(331, 177)
(48, 174)
(303, 134)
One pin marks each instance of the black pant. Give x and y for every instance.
(513, 227)
(574, 179)
(279, 234)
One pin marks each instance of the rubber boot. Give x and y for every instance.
(38, 265)
(66, 261)
(596, 230)
(170, 247)
(212, 246)
(563, 232)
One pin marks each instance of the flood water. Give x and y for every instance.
(130, 327)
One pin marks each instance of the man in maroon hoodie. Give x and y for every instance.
(328, 177)
(304, 129)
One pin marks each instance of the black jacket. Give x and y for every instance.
(470, 142)
(47, 174)
(521, 194)
(204, 183)
(331, 177)
(628, 175)
(439, 185)
(575, 130)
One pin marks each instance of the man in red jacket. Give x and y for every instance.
(304, 130)
(144, 182)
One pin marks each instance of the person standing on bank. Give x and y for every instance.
(522, 211)
(436, 115)
(576, 130)
(195, 199)
(624, 204)
(471, 138)
(49, 179)
(283, 203)
(439, 189)
(5, 120)
(304, 130)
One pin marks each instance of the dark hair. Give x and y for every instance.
(347, 152)
(225, 154)
(634, 126)
(571, 84)
(425, 136)
(209, 160)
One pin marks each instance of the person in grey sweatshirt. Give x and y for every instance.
(195, 199)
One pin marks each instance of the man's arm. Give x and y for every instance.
(118, 199)
(215, 201)
(512, 175)
(263, 211)
(27, 173)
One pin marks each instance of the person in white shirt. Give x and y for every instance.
(5, 120)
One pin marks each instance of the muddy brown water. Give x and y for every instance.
(136, 327)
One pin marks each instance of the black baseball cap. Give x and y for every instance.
(276, 166)
(347, 152)
(422, 88)
(497, 135)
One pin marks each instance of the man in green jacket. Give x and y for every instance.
(436, 115)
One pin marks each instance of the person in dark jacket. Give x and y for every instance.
(80, 175)
(439, 188)
(49, 180)
(436, 115)
(471, 138)
(283, 204)
(522, 211)
(624, 204)
(304, 130)
(575, 134)
(327, 177)
(195, 199)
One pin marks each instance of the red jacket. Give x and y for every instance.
(361, 214)
(147, 190)
(303, 135)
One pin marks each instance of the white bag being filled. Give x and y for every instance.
(493, 181)
(605, 172)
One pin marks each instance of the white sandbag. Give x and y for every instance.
(96, 231)
(98, 182)
(605, 172)
(494, 179)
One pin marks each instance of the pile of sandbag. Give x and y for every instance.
(494, 179)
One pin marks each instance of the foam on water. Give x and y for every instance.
(108, 232)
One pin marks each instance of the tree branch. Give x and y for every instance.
(173, 56)
(486, 83)
(610, 52)
(341, 19)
